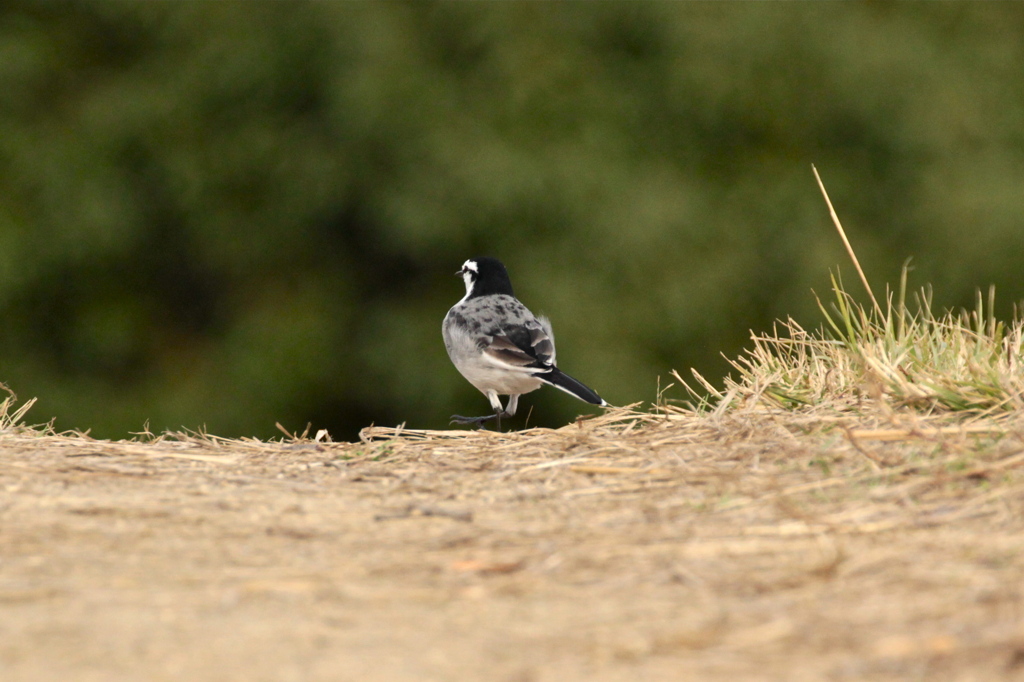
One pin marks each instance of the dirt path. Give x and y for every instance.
(755, 547)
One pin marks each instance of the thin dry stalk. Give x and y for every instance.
(846, 242)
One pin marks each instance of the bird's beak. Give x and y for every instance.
(459, 273)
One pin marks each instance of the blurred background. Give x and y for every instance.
(223, 215)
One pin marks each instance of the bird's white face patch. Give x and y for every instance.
(469, 273)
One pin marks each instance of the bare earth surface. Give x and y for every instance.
(756, 546)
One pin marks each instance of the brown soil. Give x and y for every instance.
(747, 547)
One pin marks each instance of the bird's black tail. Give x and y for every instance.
(560, 379)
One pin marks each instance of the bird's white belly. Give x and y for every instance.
(501, 381)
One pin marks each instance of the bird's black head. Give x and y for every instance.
(484, 276)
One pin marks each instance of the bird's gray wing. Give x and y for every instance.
(526, 346)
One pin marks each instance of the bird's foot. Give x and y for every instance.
(479, 421)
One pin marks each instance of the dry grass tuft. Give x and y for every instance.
(965, 361)
(10, 415)
(900, 356)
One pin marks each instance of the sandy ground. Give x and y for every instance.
(752, 547)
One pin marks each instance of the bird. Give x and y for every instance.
(499, 346)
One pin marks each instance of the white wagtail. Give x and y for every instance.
(499, 346)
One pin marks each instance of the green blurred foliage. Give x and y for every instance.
(226, 214)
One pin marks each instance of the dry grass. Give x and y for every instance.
(902, 355)
(755, 544)
(849, 506)
(957, 361)
(12, 414)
